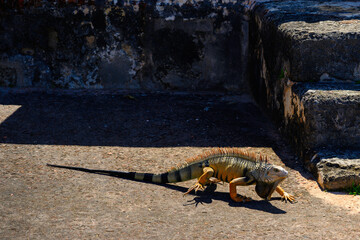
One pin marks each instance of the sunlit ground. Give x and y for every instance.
(7, 111)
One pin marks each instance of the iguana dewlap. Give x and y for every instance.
(230, 165)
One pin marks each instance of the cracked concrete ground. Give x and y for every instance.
(147, 133)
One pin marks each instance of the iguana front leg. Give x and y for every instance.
(284, 195)
(203, 180)
(242, 181)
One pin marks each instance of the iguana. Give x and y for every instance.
(234, 166)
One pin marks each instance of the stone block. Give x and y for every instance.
(338, 170)
(321, 115)
(318, 39)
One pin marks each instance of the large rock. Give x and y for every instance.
(339, 171)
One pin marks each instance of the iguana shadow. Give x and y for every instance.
(207, 196)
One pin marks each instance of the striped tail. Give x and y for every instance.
(178, 175)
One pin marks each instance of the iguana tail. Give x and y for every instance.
(172, 176)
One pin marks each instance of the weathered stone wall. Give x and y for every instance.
(142, 45)
(304, 68)
(293, 51)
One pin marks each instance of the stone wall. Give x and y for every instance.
(305, 62)
(128, 45)
(304, 69)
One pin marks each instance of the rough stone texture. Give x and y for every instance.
(339, 171)
(302, 41)
(145, 45)
(310, 40)
(305, 71)
(323, 115)
(322, 120)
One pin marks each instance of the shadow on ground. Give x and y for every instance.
(160, 120)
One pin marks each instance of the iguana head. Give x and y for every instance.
(268, 178)
(269, 173)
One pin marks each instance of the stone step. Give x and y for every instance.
(323, 122)
(323, 115)
(337, 170)
(311, 40)
(327, 122)
(305, 69)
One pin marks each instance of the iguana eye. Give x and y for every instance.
(276, 170)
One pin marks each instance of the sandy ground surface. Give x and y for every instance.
(148, 133)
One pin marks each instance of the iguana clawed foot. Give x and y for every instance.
(288, 197)
(197, 186)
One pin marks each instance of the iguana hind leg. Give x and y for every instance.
(242, 181)
(285, 196)
(203, 180)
